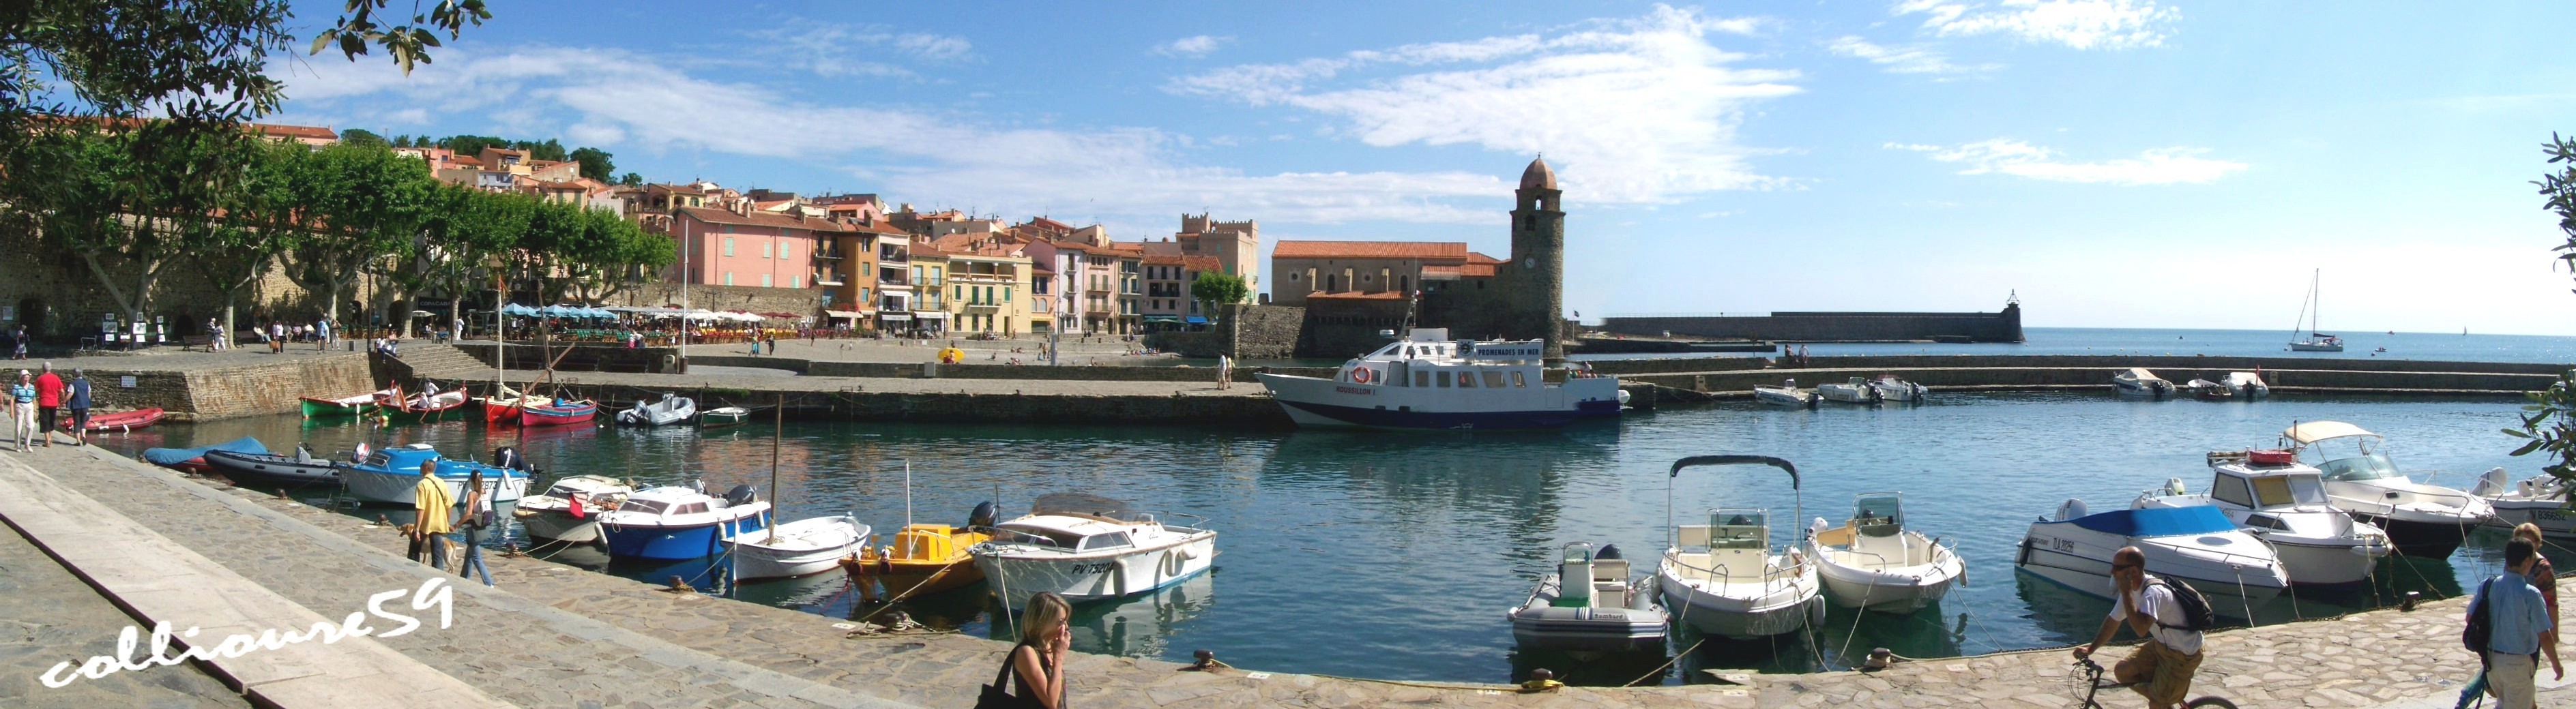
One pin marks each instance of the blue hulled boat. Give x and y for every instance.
(673, 522)
(389, 476)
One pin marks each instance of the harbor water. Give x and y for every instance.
(1395, 555)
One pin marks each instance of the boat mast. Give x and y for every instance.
(778, 423)
(2316, 292)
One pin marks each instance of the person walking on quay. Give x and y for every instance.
(214, 335)
(322, 333)
(49, 401)
(2543, 576)
(22, 409)
(2516, 619)
(2162, 667)
(1032, 675)
(77, 399)
(18, 342)
(478, 519)
(431, 507)
(1224, 372)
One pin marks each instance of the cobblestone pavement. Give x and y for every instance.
(49, 616)
(512, 648)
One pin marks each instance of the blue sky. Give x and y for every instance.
(2117, 163)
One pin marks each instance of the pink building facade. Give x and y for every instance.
(761, 249)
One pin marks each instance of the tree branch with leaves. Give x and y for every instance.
(2549, 416)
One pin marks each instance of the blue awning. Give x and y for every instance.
(2158, 522)
(1162, 318)
(1196, 320)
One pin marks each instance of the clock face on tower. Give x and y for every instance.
(1529, 262)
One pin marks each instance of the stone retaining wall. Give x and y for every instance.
(230, 392)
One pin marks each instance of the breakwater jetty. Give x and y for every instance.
(550, 635)
(1731, 377)
(2002, 326)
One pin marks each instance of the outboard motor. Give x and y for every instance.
(2173, 486)
(2072, 509)
(508, 458)
(2491, 484)
(740, 495)
(981, 517)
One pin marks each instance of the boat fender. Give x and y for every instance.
(982, 517)
(741, 495)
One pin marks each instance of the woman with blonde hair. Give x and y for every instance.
(2545, 576)
(1037, 662)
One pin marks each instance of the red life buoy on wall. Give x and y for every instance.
(1360, 375)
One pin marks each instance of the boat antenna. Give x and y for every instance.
(778, 434)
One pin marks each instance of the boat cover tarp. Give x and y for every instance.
(175, 456)
(2158, 522)
(1082, 503)
(2314, 431)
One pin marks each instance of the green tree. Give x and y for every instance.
(362, 207)
(631, 180)
(1212, 289)
(251, 225)
(596, 164)
(362, 136)
(2549, 419)
(408, 43)
(471, 145)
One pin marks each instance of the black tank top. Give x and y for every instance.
(1020, 685)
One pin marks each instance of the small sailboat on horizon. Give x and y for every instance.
(2315, 341)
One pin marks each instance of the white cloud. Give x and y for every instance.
(1904, 60)
(842, 50)
(1631, 110)
(2161, 166)
(2081, 24)
(1191, 47)
(630, 101)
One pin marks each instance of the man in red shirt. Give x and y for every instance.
(49, 398)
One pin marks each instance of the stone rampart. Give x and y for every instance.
(754, 299)
(226, 392)
(55, 293)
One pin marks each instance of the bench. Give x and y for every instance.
(191, 341)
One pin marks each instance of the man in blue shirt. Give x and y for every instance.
(2517, 616)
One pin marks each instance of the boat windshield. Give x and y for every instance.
(1879, 515)
(1737, 529)
(644, 506)
(1037, 537)
(2367, 466)
(2287, 490)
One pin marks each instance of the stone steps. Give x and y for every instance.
(437, 361)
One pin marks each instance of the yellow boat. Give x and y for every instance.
(924, 559)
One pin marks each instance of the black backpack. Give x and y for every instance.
(2196, 613)
(2480, 628)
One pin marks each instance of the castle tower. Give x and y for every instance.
(1535, 278)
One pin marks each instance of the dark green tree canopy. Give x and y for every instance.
(595, 163)
(2549, 420)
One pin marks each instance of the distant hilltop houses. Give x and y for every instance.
(850, 261)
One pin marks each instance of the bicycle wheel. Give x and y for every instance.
(2210, 702)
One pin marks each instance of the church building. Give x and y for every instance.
(1352, 289)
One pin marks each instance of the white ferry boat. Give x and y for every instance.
(1427, 381)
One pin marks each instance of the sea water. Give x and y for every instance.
(1396, 555)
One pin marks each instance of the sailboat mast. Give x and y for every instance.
(2317, 293)
(777, 436)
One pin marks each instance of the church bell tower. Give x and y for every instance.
(1535, 277)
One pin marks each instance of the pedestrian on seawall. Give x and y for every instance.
(431, 506)
(1036, 663)
(478, 520)
(78, 402)
(2542, 575)
(49, 401)
(2162, 667)
(2517, 621)
(22, 409)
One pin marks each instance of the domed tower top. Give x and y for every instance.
(1538, 176)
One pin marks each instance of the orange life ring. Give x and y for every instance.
(1360, 375)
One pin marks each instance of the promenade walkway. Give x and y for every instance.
(551, 635)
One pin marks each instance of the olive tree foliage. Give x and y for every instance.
(2549, 419)
(1213, 289)
(362, 208)
(364, 23)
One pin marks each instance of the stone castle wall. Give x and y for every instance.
(754, 299)
(60, 298)
(229, 392)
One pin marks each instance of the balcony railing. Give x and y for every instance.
(893, 278)
(894, 256)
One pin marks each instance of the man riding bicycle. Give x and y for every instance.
(2162, 668)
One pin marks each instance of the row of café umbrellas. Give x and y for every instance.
(614, 311)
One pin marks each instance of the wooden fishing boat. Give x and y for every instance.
(432, 407)
(924, 559)
(551, 414)
(122, 421)
(317, 407)
(502, 408)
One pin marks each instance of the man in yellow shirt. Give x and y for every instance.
(433, 510)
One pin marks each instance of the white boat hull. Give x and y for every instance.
(2315, 347)
(1740, 617)
(1016, 575)
(2080, 559)
(800, 548)
(557, 525)
(1900, 589)
(2327, 564)
(1326, 403)
(1777, 396)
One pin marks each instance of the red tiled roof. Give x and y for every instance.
(1478, 257)
(712, 215)
(278, 131)
(1477, 270)
(1162, 260)
(1371, 249)
(1071, 245)
(1355, 295)
(1438, 271)
(1208, 264)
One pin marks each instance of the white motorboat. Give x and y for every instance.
(2208, 390)
(1725, 578)
(1891, 388)
(390, 476)
(2196, 545)
(570, 509)
(1856, 391)
(672, 409)
(2314, 341)
(2424, 520)
(1787, 394)
(2284, 504)
(1089, 548)
(1426, 381)
(2137, 381)
(1603, 611)
(2247, 384)
(679, 523)
(1873, 562)
(2540, 500)
(800, 548)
